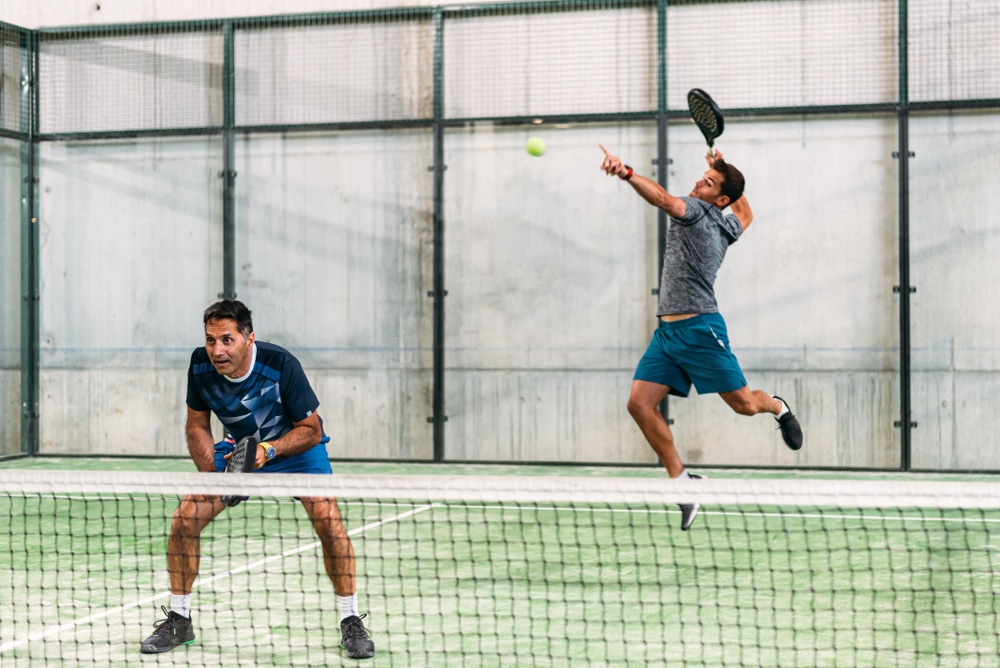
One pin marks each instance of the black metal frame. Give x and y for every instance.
(905, 424)
(30, 249)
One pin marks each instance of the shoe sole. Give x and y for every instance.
(153, 650)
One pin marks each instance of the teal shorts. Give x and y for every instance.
(689, 351)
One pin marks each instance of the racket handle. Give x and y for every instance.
(711, 150)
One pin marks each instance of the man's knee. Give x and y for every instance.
(638, 408)
(191, 516)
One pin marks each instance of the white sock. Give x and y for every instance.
(181, 604)
(784, 407)
(684, 474)
(348, 606)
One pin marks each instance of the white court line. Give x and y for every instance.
(55, 630)
(724, 513)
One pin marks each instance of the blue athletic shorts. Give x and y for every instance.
(313, 460)
(689, 351)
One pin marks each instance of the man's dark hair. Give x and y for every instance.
(732, 180)
(231, 309)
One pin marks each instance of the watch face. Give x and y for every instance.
(270, 453)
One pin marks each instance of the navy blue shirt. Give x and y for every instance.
(265, 404)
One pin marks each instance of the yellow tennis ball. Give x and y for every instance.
(535, 146)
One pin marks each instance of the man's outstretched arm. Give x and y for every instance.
(649, 190)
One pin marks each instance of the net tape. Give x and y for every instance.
(722, 491)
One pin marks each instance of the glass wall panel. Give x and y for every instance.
(334, 248)
(10, 296)
(806, 292)
(550, 267)
(130, 257)
(954, 251)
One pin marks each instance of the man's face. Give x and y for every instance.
(709, 188)
(227, 348)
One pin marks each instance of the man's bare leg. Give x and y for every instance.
(183, 561)
(338, 558)
(644, 407)
(338, 552)
(751, 402)
(184, 545)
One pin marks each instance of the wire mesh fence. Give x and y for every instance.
(14, 54)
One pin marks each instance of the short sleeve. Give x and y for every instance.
(732, 227)
(694, 210)
(194, 399)
(296, 394)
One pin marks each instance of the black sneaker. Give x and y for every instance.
(354, 638)
(791, 432)
(170, 632)
(689, 510)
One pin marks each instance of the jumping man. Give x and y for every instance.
(691, 345)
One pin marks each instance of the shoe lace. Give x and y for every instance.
(356, 628)
(164, 627)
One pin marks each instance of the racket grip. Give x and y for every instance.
(711, 150)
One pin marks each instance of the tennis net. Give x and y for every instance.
(496, 571)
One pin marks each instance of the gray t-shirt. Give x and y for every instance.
(696, 245)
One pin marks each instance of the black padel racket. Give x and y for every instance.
(707, 116)
(241, 461)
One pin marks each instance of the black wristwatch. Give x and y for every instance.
(269, 451)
